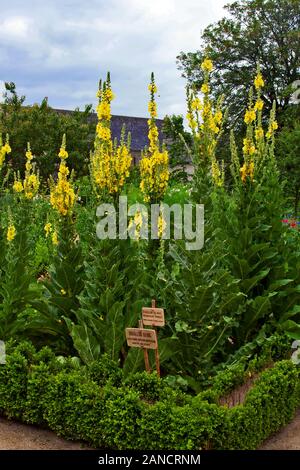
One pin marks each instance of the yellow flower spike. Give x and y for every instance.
(48, 229)
(205, 88)
(63, 154)
(247, 170)
(250, 116)
(259, 105)
(31, 182)
(154, 165)
(259, 133)
(218, 117)
(11, 233)
(259, 81)
(55, 238)
(207, 65)
(110, 164)
(28, 153)
(4, 150)
(152, 88)
(62, 195)
(161, 226)
(17, 186)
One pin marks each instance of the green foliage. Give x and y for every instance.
(180, 141)
(60, 300)
(44, 127)
(107, 303)
(268, 406)
(116, 418)
(207, 302)
(16, 290)
(104, 370)
(287, 151)
(257, 31)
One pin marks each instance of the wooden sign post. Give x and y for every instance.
(145, 338)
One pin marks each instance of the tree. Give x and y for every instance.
(264, 31)
(178, 140)
(44, 127)
(288, 154)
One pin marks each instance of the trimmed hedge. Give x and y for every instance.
(37, 388)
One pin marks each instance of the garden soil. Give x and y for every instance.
(16, 436)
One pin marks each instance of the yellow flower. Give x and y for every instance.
(247, 170)
(192, 122)
(259, 105)
(206, 109)
(250, 116)
(152, 88)
(207, 65)
(258, 81)
(218, 116)
(274, 125)
(205, 88)
(110, 163)
(11, 233)
(62, 195)
(212, 125)
(4, 149)
(63, 153)
(109, 95)
(161, 226)
(259, 133)
(18, 187)
(48, 229)
(249, 147)
(7, 148)
(103, 132)
(218, 175)
(29, 155)
(103, 110)
(63, 292)
(196, 104)
(55, 238)
(154, 165)
(31, 185)
(152, 109)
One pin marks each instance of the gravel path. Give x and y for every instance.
(16, 436)
(287, 439)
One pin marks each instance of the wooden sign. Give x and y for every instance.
(141, 338)
(153, 316)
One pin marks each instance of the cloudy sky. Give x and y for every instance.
(60, 49)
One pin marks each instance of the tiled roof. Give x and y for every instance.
(137, 126)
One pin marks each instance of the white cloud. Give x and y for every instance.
(15, 27)
(62, 47)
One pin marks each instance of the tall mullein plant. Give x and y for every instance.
(64, 280)
(111, 160)
(16, 275)
(5, 149)
(254, 233)
(205, 119)
(257, 188)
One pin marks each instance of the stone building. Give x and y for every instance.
(137, 126)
